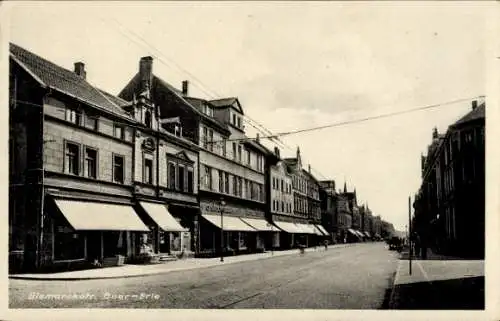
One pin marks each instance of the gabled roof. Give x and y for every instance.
(132, 88)
(227, 102)
(475, 114)
(65, 81)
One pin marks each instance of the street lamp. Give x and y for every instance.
(222, 204)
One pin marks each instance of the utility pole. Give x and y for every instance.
(409, 232)
(222, 203)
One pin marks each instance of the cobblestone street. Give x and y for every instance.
(355, 277)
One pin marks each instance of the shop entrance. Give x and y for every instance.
(94, 246)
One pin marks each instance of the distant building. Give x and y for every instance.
(329, 217)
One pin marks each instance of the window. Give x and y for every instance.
(226, 183)
(234, 151)
(208, 178)
(190, 180)
(118, 131)
(221, 181)
(148, 171)
(181, 180)
(240, 187)
(239, 153)
(252, 191)
(90, 162)
(224, 148)
(72, 159)
(282, 206)
(207, 110)
(91, 122)
(210, 140)
(204, 137)
(147, 119)
(73, 116)
(239, 122)
(171, 175)
(235, 185)
(234, 119)
(247, 189)
(118, 169)
(282, 186)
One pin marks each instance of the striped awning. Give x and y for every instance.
(229, 223)
(288, 227)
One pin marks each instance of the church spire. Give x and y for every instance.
(345, 187)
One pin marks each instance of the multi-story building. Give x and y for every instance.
(300, 181)
(366, 217)
(329, 218)
(344, 218)
(231, 167)
(354, 235)
(165, 168)
(281, 201)
(453, 188)
(71, 168)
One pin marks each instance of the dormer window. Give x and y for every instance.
(207, 110)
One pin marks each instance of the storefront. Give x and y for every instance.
(93, 231)
(168, 235)
(236, 233)
(266, 235)
(290, 235)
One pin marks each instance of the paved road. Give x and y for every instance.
(354, 277)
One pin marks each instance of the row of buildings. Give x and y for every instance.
(449, 208)
(94, 176)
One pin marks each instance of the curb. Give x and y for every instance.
(32, 278)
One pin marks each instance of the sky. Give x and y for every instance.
(292, 66)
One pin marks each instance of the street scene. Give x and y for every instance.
(247, 162)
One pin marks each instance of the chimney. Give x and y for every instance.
(185, 87)
(80, 69)
(474, 104)
(309, 167)
(277, 151)
(258, 138)
(146, 72)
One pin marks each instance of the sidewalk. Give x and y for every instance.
(438, 283)
(143, 270)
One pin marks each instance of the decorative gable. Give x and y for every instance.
(182, 155)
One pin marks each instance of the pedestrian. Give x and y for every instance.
(326, 244)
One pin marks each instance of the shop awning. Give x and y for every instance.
(322, 229)
(229, 223)
(368, 234)
(100, 216)
(306, 228)
(318, 231)
(260, 224)
(353, 232)
(359, 233)
(288, 227)
(160, 214)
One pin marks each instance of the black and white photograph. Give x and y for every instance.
(247, 155)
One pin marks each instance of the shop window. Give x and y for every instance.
(118, 169)
(243, 240)
(68, 245)
(72, 159)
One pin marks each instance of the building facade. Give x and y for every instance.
(71, 191)
(453, 180)
(231, 167)
(329, 217)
